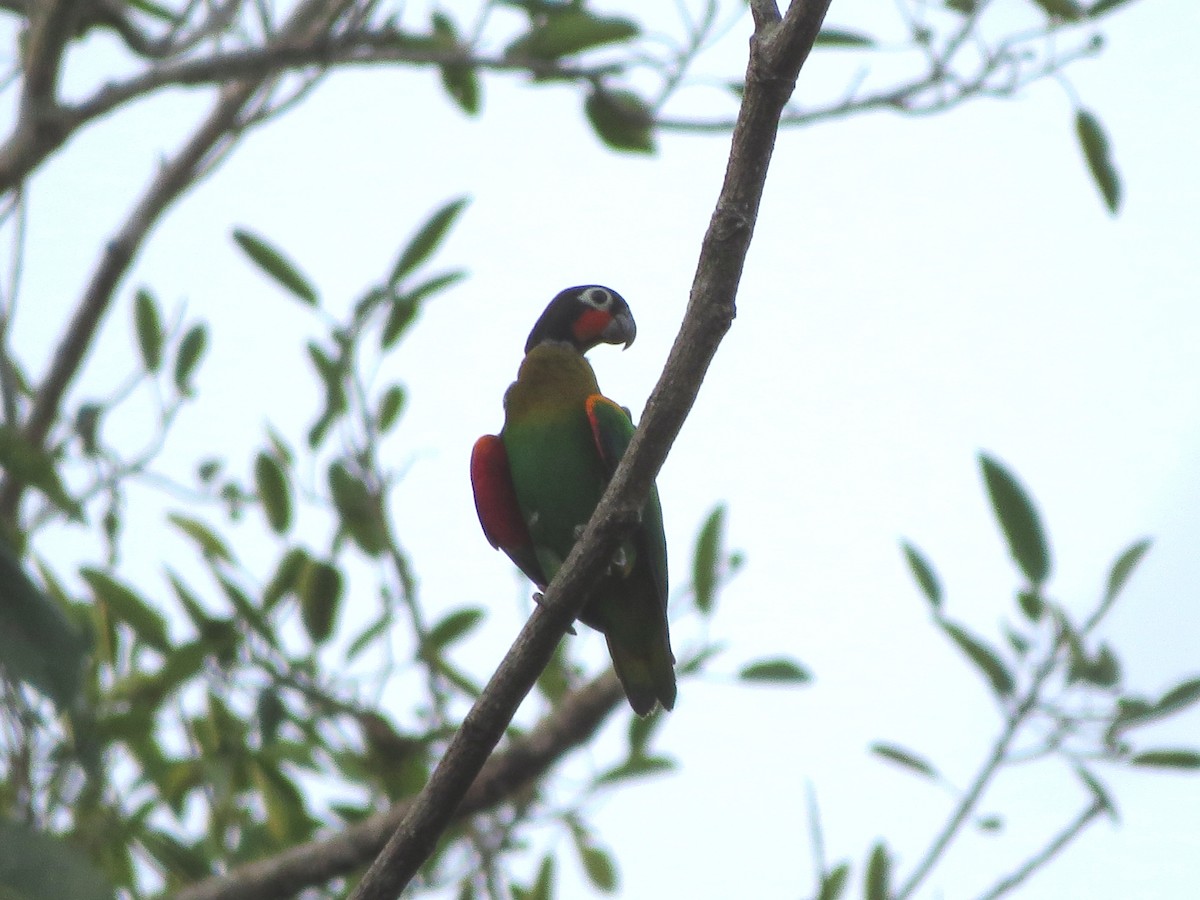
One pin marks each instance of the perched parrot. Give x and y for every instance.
(537, 483)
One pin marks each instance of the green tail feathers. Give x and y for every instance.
(647, 674)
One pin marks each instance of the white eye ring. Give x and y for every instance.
(596, 297)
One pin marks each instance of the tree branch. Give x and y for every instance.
(39, 118)
(172, 180)
(994, 761)
(777, 52)
(1047, 853)
(25, 150)
(572, 724)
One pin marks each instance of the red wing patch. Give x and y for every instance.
(497, 507)
(495, 499)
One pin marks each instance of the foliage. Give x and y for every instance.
(1060, 697)
(157, 734)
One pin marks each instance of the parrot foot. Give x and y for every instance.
(538, 597)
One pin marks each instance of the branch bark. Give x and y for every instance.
(777, 51)
(572, 724)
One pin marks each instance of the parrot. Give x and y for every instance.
(537, 483)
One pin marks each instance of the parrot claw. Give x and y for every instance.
(538, 597)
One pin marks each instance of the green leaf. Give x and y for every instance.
(834, 882)
(600, 868)
(635, 767)
(1097, 152)
(1121, 571)
(1098, 790)
(966, 7)
(878, 874)
(462, 84)
(402, 312)
(453, 627)
(984, 658)
(155, 10)
(459, 79)
(369, 634)
(276, 265)
(148, 325)
(23, 462)
(191, 348)
(1019, 520)
(989, 823)
(1179, 697)
(641, 730)
(126, 605)
(320, 591)
(1167, 759)
(404, 308)
(1105, 6)
(246, 611)
(427, 239)
(274, 492)
(38, 643)
(543, 887)
(38, 866)
(621, 119)
(270, 713)
(286, 577)
(707, 559)
(211, 546)
(390, 407)
(87, 426)
(780, 671)
(840, 37)
(568, 31)
(1068, 10)
(359, 509)
(1102, 670)
(905, 758)
(182, 864)
(1032, 604)
(923, 572)
(287, 819)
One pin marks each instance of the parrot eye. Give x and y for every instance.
(596, 297)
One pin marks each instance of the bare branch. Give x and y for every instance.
(572, 724)
(38, 120)
(777, 53)
(1047, 853)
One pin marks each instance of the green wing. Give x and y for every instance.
(612, 429)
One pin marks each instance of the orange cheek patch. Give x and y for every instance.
(590, 324)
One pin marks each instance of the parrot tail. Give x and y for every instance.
(646, 673)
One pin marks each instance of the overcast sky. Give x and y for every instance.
(917, 290)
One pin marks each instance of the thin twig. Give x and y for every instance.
(995, 760)
(1047, 853)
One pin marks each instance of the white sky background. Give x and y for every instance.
(917, 290)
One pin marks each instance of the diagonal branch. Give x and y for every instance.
(572, 724)
(777, 52)
(1047, 853)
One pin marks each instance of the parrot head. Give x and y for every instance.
(583, 317)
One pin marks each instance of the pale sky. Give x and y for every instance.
(917, 290)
